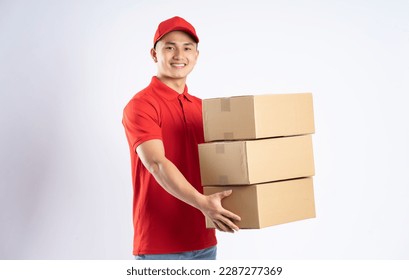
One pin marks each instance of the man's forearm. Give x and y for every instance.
(173, 181)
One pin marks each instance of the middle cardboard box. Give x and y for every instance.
(256, 161)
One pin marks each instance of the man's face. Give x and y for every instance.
(176, 54)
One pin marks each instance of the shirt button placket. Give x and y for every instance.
(180, 98)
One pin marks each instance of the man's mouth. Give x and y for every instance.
(179, 65)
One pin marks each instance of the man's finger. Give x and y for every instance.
(224, 194)
(230, 215)
(221, 226)
(217, 226)
(228, 223)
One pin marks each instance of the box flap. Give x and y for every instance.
(242, 202)
(281, 158)
(228, 118)
(284, 114)
(223, 163)
(286, 201)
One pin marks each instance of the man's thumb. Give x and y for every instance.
(226, 193)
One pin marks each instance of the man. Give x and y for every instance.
(163, 125)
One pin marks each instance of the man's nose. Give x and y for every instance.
(177, 54)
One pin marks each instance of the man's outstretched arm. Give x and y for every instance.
(152, 155)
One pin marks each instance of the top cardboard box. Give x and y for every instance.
(260, 116)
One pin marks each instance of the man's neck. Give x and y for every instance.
(177, 85)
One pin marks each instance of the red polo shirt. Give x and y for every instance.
(162, 223)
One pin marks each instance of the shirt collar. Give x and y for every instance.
(167, 92)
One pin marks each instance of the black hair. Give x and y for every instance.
(191, 37)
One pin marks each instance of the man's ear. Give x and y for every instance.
(153, 55)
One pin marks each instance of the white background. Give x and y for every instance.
(67, 69)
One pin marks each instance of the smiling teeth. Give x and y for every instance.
(178, 64)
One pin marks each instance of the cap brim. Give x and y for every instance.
(179, 28)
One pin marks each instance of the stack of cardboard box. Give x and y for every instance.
(261, 148)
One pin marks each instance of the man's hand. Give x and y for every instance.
(222, 218)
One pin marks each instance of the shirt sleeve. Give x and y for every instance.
(141, 121)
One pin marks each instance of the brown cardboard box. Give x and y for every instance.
(268, 204)
(256, 161)
(261, 116)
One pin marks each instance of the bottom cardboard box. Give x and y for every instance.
(268, 204)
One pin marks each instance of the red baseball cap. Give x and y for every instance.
(174, 24)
